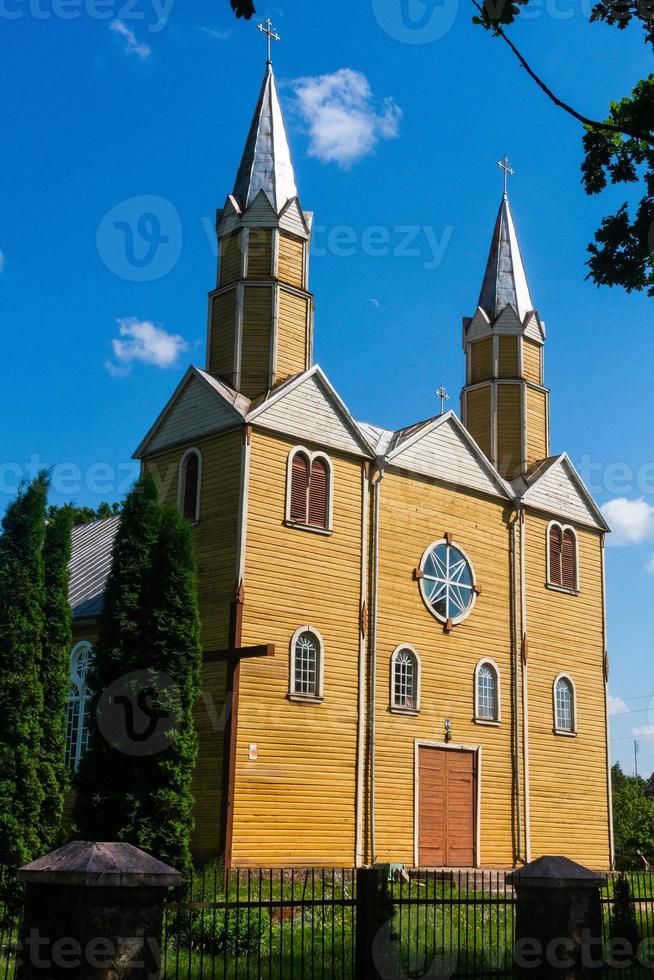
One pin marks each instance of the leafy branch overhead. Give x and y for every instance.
(617, 150)
(243, 8)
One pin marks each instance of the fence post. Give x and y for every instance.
(558, 932)
(93, 911)
(367, 922)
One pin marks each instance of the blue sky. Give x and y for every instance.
(107, 101)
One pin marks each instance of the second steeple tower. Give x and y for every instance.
(261, 313)
(505, 405)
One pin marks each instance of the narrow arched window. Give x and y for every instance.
(565, 708)
(562, 557)
(306, 664)
(318, 491)
(299, 487)
(555, 549)
(405, 680)
(487, 691)
(190, 472)
(309, 491)
(569, 559)
(77, 706)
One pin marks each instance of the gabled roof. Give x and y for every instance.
(90, 564)
(200, 404)
(554, 486)
(307, 406)
(505, 281)
(443, 449)
(266, 164)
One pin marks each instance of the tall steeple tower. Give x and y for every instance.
(261, 313)
(505, 405)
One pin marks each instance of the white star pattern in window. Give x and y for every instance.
(448, 583)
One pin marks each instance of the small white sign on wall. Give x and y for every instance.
(253, 751)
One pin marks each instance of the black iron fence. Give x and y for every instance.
(341, 924)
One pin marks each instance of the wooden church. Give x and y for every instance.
(404, 632)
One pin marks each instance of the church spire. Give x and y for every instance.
(261, 313)
(505, 281)
(505, 402)
(266, 164)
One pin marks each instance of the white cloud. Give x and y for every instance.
(2, 261)
(375, 303)
(144, 341)
(632, 521)
(343, 119)
(132, 43)
(642, 730)
(617, 706)
(219, 33)
(649, 567)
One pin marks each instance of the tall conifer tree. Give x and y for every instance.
(55, 670)
(161, 801)
(22, 599)
(106, 772)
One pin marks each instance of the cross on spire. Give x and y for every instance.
(271, 35)
(503, 164)
(444, 397)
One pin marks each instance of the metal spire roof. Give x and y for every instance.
(505, 280)
(266, 163)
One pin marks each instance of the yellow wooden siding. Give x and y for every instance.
(290, 267)
(223, 333)
(569, 804)
(531, 357)
(260, 253)
(478, 417)
(481, 360)
(509, 430)
(295, 803)
(508, 357)
(536, 426)
(230, 258)
(216, 532)
(414, 513)
(291, 335)
(208, 776)
(257, 331)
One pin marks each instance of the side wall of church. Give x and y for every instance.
(295, 802)
(568, 775)
(216, 553)
(414, 513)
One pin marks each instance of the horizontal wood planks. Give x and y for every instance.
(509, 429)
(481, 355)
(260, 244)
(414, 512)
(532, 361)
(537, 447)
(256, 344)
(478, 417)
(292, 334)
(295, 801)
(568, 775)
(508, 356)
(230, 257)
(291, 260)
(223, 335)
(207, 786)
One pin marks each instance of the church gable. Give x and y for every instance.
(200, 405)
(443, 450)
(309, 409)
(560, 491)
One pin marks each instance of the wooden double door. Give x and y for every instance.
(447, 807)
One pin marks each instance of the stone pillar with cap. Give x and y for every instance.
(558, 931)
(93, 910)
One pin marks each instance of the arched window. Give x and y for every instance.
(306, 665)
(190, 475)
(309, 489)
(562, 556)
(77, 708)
(565, 708)
(405, 680)
(487, 692)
